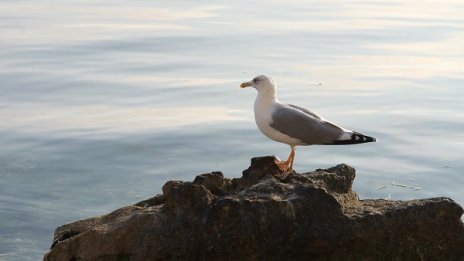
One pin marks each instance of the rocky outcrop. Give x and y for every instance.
(308, 216)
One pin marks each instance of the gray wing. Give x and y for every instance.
(315, 115)
(305, 125)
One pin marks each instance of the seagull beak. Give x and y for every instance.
(246, 84)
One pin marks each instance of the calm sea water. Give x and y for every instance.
(101, 102)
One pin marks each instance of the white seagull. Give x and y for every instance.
(294, 125)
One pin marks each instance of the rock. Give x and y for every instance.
(309, 216)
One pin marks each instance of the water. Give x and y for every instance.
(103, 101)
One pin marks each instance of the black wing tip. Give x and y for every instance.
(356, 138)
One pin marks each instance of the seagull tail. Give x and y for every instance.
(353, 137)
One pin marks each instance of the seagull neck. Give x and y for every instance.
(267, 93)
(266, 98)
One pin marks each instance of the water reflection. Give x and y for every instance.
(106, 118)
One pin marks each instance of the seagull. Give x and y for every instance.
(295, 125)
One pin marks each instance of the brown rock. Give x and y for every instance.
(309, 216)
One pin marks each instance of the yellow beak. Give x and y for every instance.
(246, 84)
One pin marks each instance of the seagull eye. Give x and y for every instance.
(255, 80)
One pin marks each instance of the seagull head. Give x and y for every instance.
(262, 83)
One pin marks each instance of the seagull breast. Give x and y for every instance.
(265, 108)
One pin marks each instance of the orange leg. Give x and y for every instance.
(293, 159)
(286, 166)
